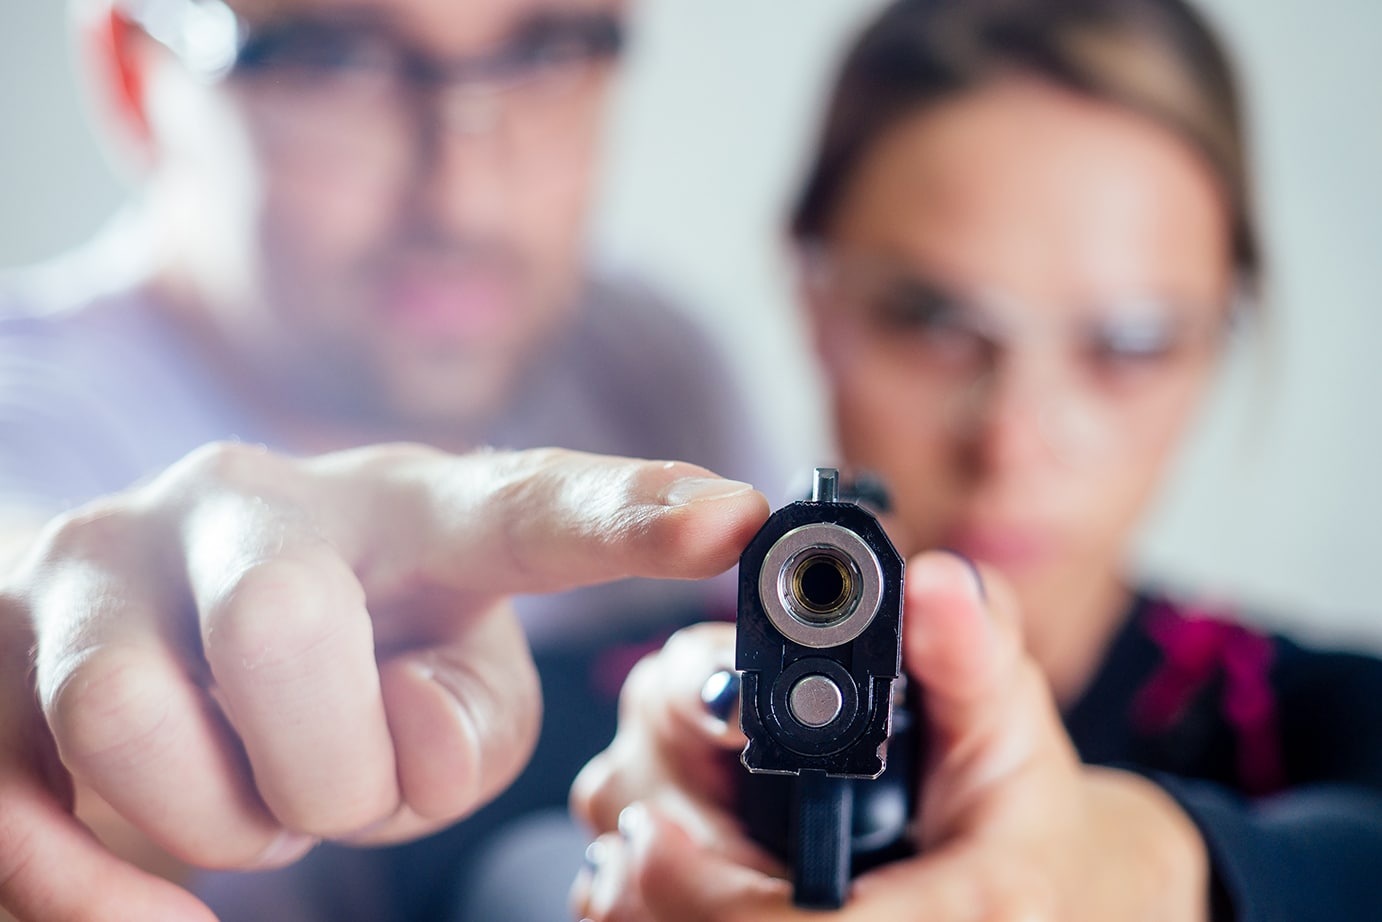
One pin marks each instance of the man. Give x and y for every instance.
(359, 223)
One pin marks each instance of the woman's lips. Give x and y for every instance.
(1005, 547)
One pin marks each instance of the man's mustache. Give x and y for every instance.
(451, 253)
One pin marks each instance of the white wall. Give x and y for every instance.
(1284, 511)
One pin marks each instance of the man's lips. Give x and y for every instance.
(450, 304)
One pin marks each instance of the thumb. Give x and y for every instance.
(994, 737)
(961, 642)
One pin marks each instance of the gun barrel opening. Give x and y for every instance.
(822, 585)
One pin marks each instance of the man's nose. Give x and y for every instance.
(468, 111)
(464, 159)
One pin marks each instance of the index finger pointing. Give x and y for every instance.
(540, 521)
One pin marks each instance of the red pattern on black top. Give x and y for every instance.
(1197, 646)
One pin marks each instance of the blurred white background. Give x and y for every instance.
(1279, 500)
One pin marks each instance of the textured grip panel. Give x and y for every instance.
(824, 816)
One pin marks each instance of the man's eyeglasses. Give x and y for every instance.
(351, 85)
(213, 41)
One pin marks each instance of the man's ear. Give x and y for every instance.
(116, 56)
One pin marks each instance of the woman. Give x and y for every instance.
(1025, 240)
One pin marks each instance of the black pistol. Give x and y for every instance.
(819, 649)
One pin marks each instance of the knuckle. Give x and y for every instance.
(641, 480)
(516, 479)
(661, 532)
(385, 458)
(521, 491)
(593, 799)
(700, 642)
(536, 471)
(549, 510)
(387, 473)
(687, 641)
(642, 686)
(209, 475)
(225, 462)
(605, 806)
(584, 787)
(109, 708)
(275, 613)
(99, 529)
(600, 489)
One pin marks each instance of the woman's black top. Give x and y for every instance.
(1275, 752)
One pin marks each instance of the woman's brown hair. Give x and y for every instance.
(1158, 58)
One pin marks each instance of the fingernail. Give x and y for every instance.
(979, 590)
(698, 489)
(595, 853)
(720, 694)
(633, 821)
(284, 850)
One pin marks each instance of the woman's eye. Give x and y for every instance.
(919, 308)
(932, 322)
(1132, 342)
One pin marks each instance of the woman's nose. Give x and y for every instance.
(1001, 429)
(1017, 415)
